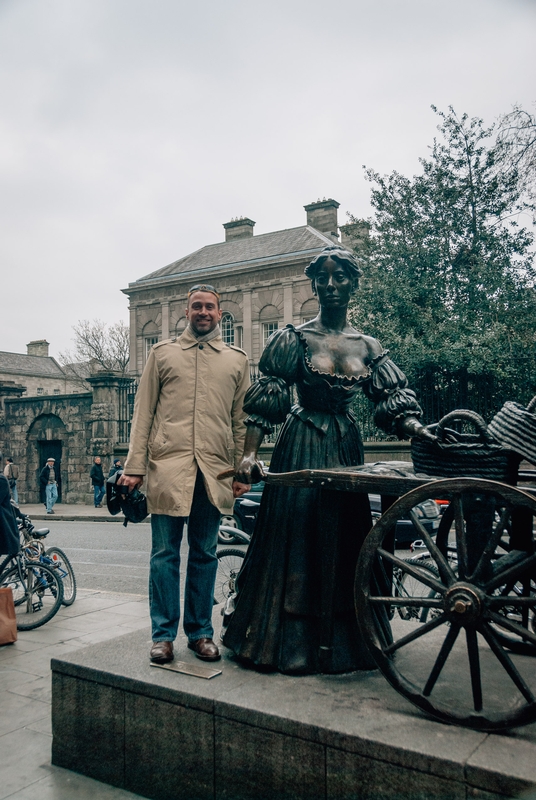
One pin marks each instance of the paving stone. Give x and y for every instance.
(39, 689)
(62, 784)
(19, 711)
(497, 768)
(22, 772)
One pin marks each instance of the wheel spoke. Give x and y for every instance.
(461, 538)
(512, 626)
(416, 634)
(474, 666)
(441, 659)
(511, 600)
(445, 570)
(511, 573)
(423, 575)
(491, 546)
(506, 662)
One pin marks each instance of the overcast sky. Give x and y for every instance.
(131, 130)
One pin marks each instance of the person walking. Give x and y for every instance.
(47, 478)
(188, 426)
(11, 471)
(115, 468)
(97, 479)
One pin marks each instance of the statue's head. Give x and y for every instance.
(343, 258)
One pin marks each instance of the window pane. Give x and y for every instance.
(149, 341)
(267, 329)
(227, 328)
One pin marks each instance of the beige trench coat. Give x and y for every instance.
(188, 413)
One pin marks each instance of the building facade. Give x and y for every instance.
(260, 279)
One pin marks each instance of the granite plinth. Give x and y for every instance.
(247, 735)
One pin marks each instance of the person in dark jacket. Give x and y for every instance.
(9, 532)
(97, 479)
(49, 483)
(116, 467)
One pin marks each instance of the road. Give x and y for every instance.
(105, 555)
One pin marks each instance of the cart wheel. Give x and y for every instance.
(468, 662)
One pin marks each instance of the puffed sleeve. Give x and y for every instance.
(388, 389)
(267, 400)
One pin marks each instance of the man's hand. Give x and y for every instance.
(240, 488)
(132, 481)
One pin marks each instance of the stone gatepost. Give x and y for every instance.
(8, 389)
(105, 415)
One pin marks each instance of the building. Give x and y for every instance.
(35, 373)
(260, 279)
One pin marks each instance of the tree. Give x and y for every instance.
(449, 274)
(516, 140)
(98, 346)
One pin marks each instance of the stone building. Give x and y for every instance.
(260, 279)
(35, 373)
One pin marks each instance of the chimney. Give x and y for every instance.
(37, 348)
(238, 229)
(322, 215)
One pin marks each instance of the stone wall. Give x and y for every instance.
(70, 428)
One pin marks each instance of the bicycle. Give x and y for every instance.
(37, 588)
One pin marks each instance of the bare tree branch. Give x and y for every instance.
(98, 345)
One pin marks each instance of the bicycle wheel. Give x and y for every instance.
(229, 565)
(37, 594)
(406, 585)
(61, 563)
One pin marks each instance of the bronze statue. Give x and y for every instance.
(275, 624)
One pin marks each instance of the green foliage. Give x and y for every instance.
(449, 273)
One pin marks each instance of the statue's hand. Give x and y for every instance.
(249, 470)
(427, 435)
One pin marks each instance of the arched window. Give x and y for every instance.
(309, 309)
(227, 328)
(180, 327)
(269, 318)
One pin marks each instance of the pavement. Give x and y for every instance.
(68, 513)
(26, 771)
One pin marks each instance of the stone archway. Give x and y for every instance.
(47, 437)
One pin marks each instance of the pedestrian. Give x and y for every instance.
(47, 478)
(116, 467)
(11, 471)
(97, 479)
(188, 426)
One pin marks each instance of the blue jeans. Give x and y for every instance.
(14, 493)
(98, 494)
(51, 494)
(164, 570)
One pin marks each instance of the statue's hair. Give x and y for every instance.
(347, 261)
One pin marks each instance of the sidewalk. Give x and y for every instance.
(70, 513)
(25, 693)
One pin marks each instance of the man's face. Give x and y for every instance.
(50, 463)
(97, 460)
(203, 312)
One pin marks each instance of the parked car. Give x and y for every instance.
(246, 508)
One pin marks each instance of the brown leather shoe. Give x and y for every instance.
(205, 649)
(161, 652)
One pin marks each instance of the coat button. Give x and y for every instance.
(200, 346)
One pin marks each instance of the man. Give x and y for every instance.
(11, 471)
(97, 479)
(47, 478)
(188, 426)
(116, 467)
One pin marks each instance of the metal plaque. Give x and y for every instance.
(197, 670)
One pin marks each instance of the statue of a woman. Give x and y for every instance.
(275, 624)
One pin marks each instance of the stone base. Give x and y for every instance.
(243, 734)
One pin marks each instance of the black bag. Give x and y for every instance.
(467, 455)
(133, 504)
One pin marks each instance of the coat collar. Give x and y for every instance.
(187, 340)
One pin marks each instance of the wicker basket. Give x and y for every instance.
(514, 427)
(464, 455)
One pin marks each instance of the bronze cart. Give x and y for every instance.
(454, 629)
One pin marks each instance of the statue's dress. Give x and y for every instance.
(275, 624)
